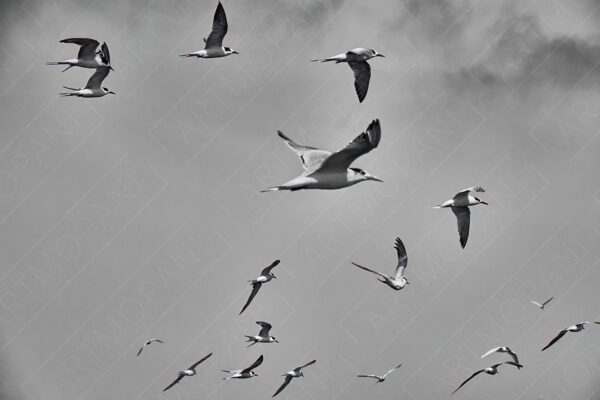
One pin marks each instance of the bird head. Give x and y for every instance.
(481, 201)
(272, 276)
(252, 373)
(229, 50)
(376, 54)
(359, 175)
(275, 340)
(107, 91)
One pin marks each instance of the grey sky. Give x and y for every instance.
(138, 215)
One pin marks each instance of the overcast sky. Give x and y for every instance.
(138, 215)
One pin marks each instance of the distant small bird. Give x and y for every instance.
(503, 349)
(246, 372)
(191, 371)
(148, 343)
(213, 46)
(265, 276)
(326, 170)
(460, 204)
(263, 336)
(92, 88)
(493, 370)
(382, 377)
(88, 57)
(541, 306)
(398, 281)
(357, 60)
(573, 328)
(295, 373)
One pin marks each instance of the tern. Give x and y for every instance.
(493, 370)
(265, 276)
(244, 373)
(357, 60)
(263, 336)
(148, 343)
(541, 306)
(93, 87)
(382, 377)
(213, 46)
(88, 57)
(191, 371)
(503, 349)
(573, 328)
(398, 281)
(295, 373)
(326, 170)
(460, 204)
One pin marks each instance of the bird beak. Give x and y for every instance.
(274, 277)
(374, 178)
(111, 92)
(483, 202)
(380, 55)
(111, 68)
(234, 52)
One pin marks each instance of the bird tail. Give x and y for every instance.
(66, 94)
(323, 60)
(272, 189)
(60, 63)
(187, 55)
(438, 206)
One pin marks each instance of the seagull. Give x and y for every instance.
(244, 373)
(503, 349)
(191, 371)
(357, 60)
(265, 276)
(263, 336)
(213, 46)
(493, 370)
(148, 343)
(88, 57)
(398, 281)
(295, 373)
(382, 377)
(573, 328)
(541, 306)
(326, 170)
(460, 207)
(92, 88)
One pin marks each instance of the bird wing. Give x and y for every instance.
(536, 303)
(547, 301)
(556, 339)
(96, 80)
(368, 376)
(471, 189)
(305, 365)
(362, 144)
(370, 270)
(468, 379)
(362, 76)
(266, 327)
(105, 54)
(267, 270)
(140, 351)
(514, 356)
(255, 364)
(219, 29)
(463, 217)
(255, 288)
(391, 370)
(516, 364)
(200, 362)
(495, 349)
(288, 379)
(87, 47)
(311, 157)
(156, 340)
(402, 258)
(176, 381)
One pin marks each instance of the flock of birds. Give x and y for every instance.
(322, 170)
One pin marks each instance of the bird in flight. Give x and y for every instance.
(263, 336)
(93, 87)
(191, 371)
(295, 373)
(460, 204)
(246, 372)
(541, 306)
(265, 276)
(357, 60)
(326, 170)
(573, 328)
(148, 343)
(503, 349)
(398, 281)
(88, 57)
(493, 370)
(382, 377)
(213, 46)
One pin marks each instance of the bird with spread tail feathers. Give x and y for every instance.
(87, 57)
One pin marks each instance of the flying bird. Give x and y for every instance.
(503, 349)
(148, 343)
(244, 373)
(88, 57)
(493, 370)
(573, 328)
(460, 204)
(541, 306)
(295, 373)
(382, 377)
(398, 281)
(265, 276)
(191, 371)
(357, 60)
(93, 87)
(326, 170)
(263, 336)
(213, 46)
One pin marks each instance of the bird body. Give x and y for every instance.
(503, 349)
(493, 370)
(263, 336)
(213, 46)
(295, 373)
(573, 328)
(148, 343)
(244, 373)
(398, 281)
(381, 378)
(93, 88)
(191, 371)
(88, 57)
(265, 276)
(542, 305)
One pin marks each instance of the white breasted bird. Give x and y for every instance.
(542, 305)
(191, 371)
(493, 370)
(265, 276)
(573, 328)
(213, 46)
(263, 336)
(148, 343)
(295, 373)
(380, 378)
(398, 281)
(93, 87)
(88, 57)
(246, 372)
(503, 349)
